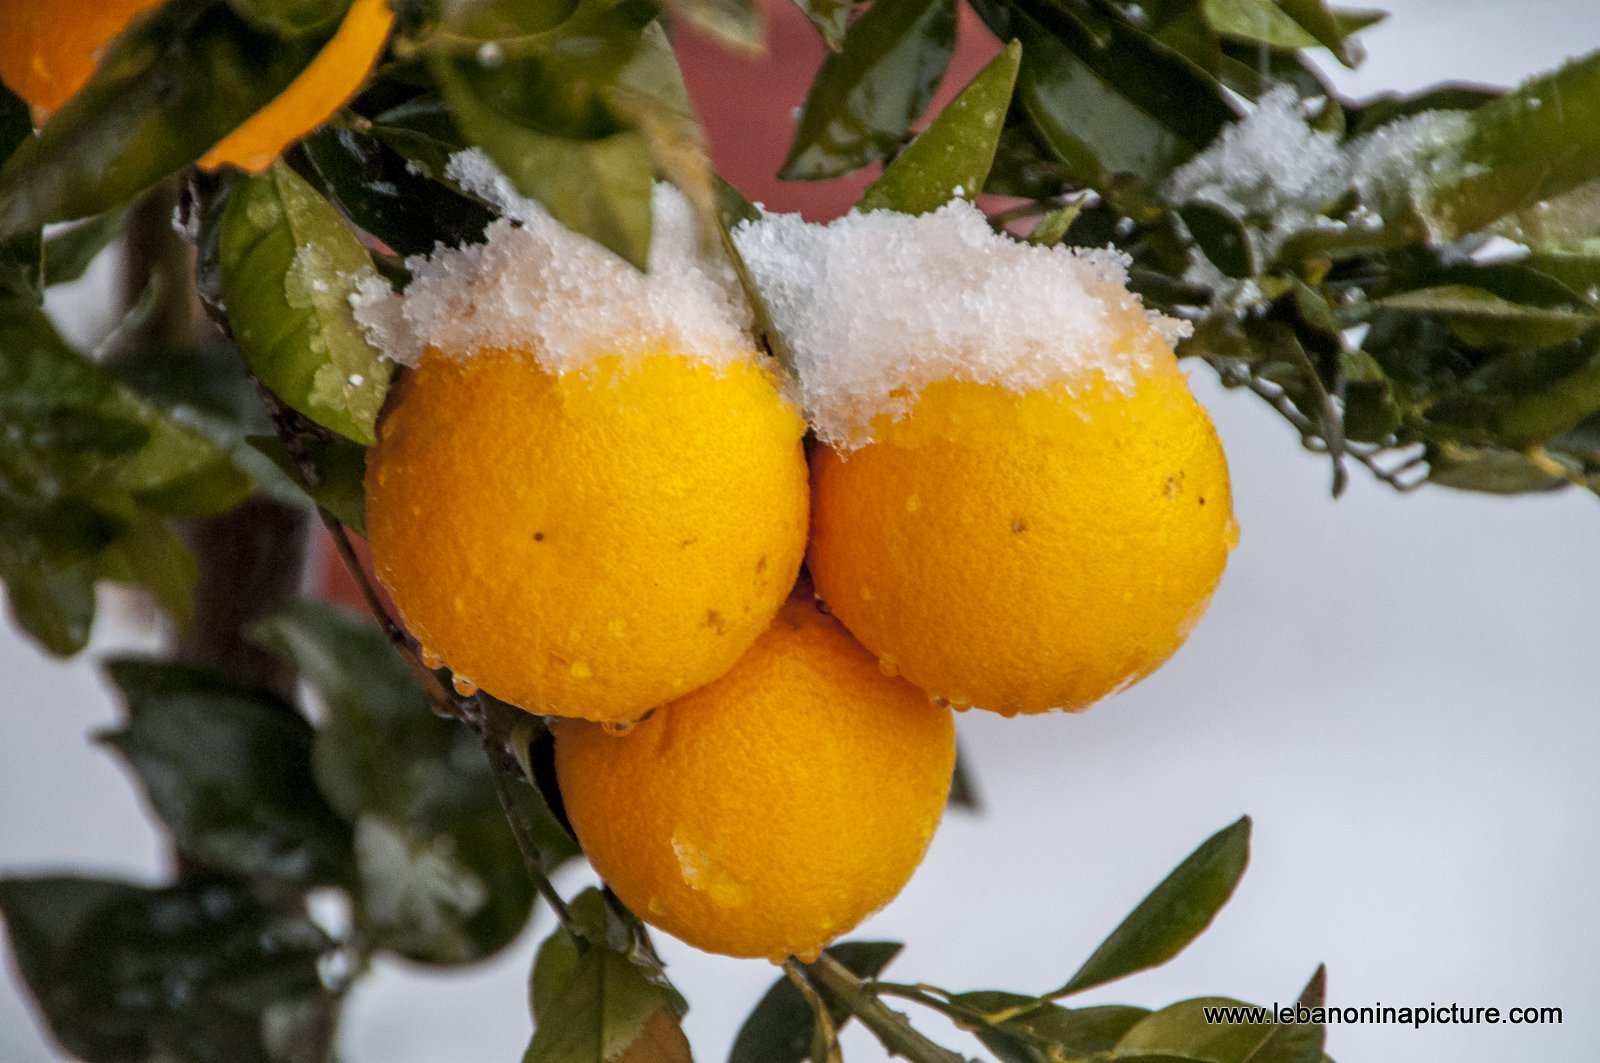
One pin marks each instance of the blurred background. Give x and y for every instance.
(1402, 691)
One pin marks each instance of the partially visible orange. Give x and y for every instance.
(49, 50)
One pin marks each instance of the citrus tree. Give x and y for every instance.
(690, 525)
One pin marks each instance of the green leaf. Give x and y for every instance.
(55, 606)
(779, 1029)
(166, 90)
(197, 971)
(339, 468)
(1530, 145)
(1291, 1042)
(603, 1009)
(1263, 21)
(149, 554)
(441, 875)
(953, 156)
(1222, 237)
(866, 96)
(1491, 469)
(1034, 1032)
(228, 769)
(1484, 319)
(1181, 1031)
(830, 17)
(1324, 25)
(289, 265)
(405, 209)
(1130, 105)
(68, 253)
(1173, 914)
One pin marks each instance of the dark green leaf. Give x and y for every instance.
(149, 554)
(963, 787)
(1447, 96)
(830, 17)
(1181, 1031)
(603, 1009)
(1491, 469)
(779, 1029)
(228, 769)
(1173, 914)
(1323, 25)
(1021, 1028)
(866, 96)
(289, 267)
(199, 971)
(16, 123)
(339, 467)
(442, 879)
(1129, 106)
(373, 184)
(953, 156)
(165, 91)
(1291, 1042)
(1222, 237)
(54, 605)
(1484, 319)
(68, 253)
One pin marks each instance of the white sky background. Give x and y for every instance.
(1401, 691)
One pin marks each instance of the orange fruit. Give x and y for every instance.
(771, 810)
(49, 50)
(589, 543)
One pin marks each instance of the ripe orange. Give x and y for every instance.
(772, 810)
(592, 543)
(49, 50)
(1022, 551)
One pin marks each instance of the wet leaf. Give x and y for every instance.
(197, 971)
(1173, 914)
(289, 266)
(228, 769)
(952, 157)
(165, 91)
(866, 96)
(779, 1029)
(378, 190)
(442, 875)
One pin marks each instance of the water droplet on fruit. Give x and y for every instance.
(431, 659)
(581, 670)
(888, 666)
(617, 728)
(1231, 533)
(913, 503)
(866, 593)
(464, 686)
(808, 955)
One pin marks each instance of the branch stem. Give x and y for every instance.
(889, 1026)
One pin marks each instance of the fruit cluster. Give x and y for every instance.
(590, 496)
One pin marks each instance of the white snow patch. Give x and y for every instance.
(536, 286)
(1400, 162)
(876, 306)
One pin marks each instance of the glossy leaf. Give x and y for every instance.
(866, 95)
(1128, 106)
(389, 199)
(163, 94)
(736, 23)
(1173, 914)
(442, 878)
(1222, 237)
(1263, 21)
(606, 1006)
(289, 266)
(779, 1029)
(228, 769)
(197, 971)
(952, 157)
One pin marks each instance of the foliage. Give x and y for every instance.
(1431, 318)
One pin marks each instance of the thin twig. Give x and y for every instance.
(525, 842)
(825, 1031)
(889, 1026)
